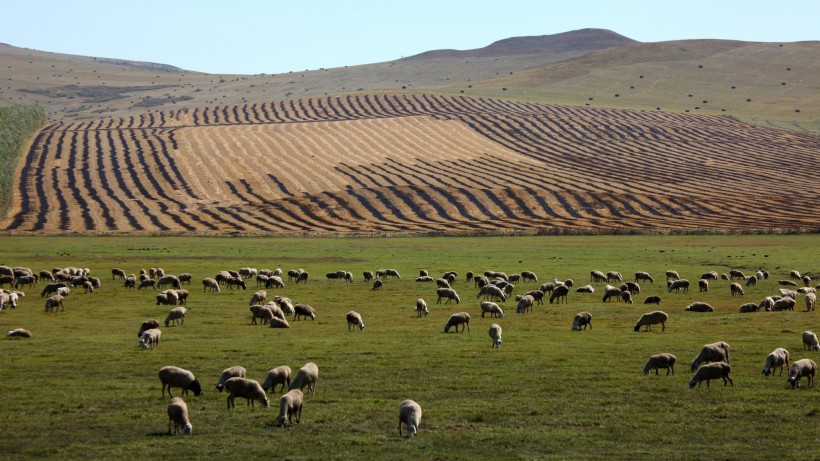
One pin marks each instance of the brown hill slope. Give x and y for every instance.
(413, 163)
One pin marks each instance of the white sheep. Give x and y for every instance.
(245, 388)
(716, 370)
(176, 316)
(63, 291)
(209, 284)
(489, 307)
(448, 293)
(286, 304)
(410, 416)
(736, 289)
(715, 352)
(53, 302)
(421, 308)
(524, 304)
(19, 333)
(258, 297)
(778, 358)
(659, 361)
(811, 301)
(150, 338)
(308, 375)
(801, 368)
(172, 376)
(261, 312)
(749, 307)
(178, 417)
(559, 292)
(290, 404)
(582, 319)
(276, 322)
(354, 319)
(275, 376)
(585, 289)
(228, 373)
(810, 341)
(495, 334)
(652, 318)
(459, 318)
(304, 311)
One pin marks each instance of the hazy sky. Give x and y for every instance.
(251, 37)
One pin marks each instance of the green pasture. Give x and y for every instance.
(82, 389)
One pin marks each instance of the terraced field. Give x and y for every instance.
(414, 164)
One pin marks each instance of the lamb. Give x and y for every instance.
(258, 297)
(524, 303)
(495, 334)
(276, 322)
(712, 371)
(176, 316)
(354, 319)
(421, 308)
(801, 368)
(53, 302)
(290, 404)
(678, 285)
(559, 292)
(448, 293)
(810, 341)
(228, 373)
(275, 376)
(715, 352)
(659, 361)
(150, 339)
(172, 376)
(811, 301)
(178, 416)
(492, 308)
(459, 318)
(778, 358)
(736, 289)
(247, 389)
(18, 333)
(410, 415)
(308, 375)
(652, 299)
(652, 318)
(210, 285)
(699, 307)
(749, 307)
(582, 319)
(304, 311)
(644, 276)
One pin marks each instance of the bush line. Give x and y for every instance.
(18, 125)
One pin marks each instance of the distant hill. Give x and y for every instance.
(577, 41)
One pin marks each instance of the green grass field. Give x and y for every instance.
(81, 388)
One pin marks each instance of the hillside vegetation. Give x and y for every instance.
(18, 124)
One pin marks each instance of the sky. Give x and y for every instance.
(273, 36)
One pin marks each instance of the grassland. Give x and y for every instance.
(82, 389)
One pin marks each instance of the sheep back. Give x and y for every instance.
(178, 417)
(172, 376)
(308, 375)
(410, 416)
(275, 376)
(290, 404)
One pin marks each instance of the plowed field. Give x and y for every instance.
(414, 164)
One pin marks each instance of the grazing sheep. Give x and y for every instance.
(492, 308)
(717, 370)
(147, 325)
(290, 404)
(264, 313)
(421, 308)
(258, 297)
(524, 304)
(150, 339)
(626, 297)
(806, 280)
(613, 277)
(766, 304)
(631, 287)
(784, 304)
(715, 352)
(354, 319)
(672, 275)
(53, 302)
(377, 285)
(751, 281)
(19, 333)
(801, 368)
(736, 289)
(178, 417)
(308, 375)
(302, 278)
(275, 376)
(247, 389)
(392, 273)
(529, 276)
(443, 283)
(410, 416)
(794, 275)
(656, 362)
(491, 292)
(810, 341)
(63, 291)
(459, 318)
(611, 292)
(640, 276)
(736, 274)
(559, 292)
(811, 301)
(367, 276)
(703, 286)
(52, 288)
(699, 307)
(172, 376)
(749, 307)
(172, 280)
(165, 299)
(304, 311)
(597, 276)
(778, 358)
(652, 318)
(147, 283)
(710, 275)
(679, 285)
(185, 278)
(652, 300)
(116, 273)
(228, 373)
(495, 334)
(29, 280)
(581, 320)
(274, 282)
(130, 281)
(537, 295)
(276, 322)
(448, 293)
(210, 285)
(585, 289)
(285, 304)
(236, 282)
(176, 316)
